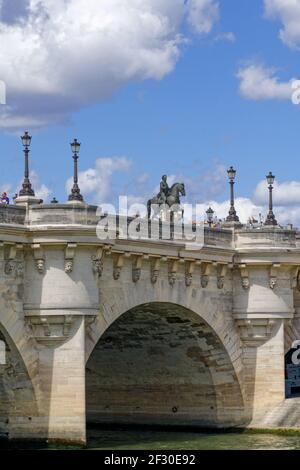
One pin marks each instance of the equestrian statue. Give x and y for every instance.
(167, 197)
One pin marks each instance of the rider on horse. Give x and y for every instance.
(164, 190)
(166, 197)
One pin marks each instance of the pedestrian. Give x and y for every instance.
(4, 198)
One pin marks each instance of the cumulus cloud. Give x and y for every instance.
(41, 190)
(248, 208)
(245, 208)
(288, 13)
(285, 194)
(57, 56)
(258, 82)
(203, 14)
(97, 183)
(225, 37)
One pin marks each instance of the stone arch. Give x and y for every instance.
(17, 395)
(2, 352)
(214, 308)
(210, 349)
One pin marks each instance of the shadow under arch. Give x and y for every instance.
(161, 363)
(18, 403)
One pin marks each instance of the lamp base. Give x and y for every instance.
(232, 224)
(27, 200)
(76, 202)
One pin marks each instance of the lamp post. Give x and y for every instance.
(270, 220)
(232, 216)
(75, 192)
(210, 215)
(26, 186)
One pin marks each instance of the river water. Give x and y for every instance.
(168, 440)
(136, 439)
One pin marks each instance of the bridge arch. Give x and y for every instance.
(18, 403)
(215, 309)
(161, 357)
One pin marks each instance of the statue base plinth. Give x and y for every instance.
(232, 224)
(27, 200)
(76, 203)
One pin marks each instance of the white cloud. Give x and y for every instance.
(244, 206)
(258, 82)
(57, 56)
(227, 37)
(284, 194)
(288, 13)
(96, 183)
(40, 189)
(203, 14)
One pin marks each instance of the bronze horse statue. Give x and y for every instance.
(172, 198)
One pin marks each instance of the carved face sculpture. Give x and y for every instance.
(172, 279)
(68, 266)
(245, 282)
(204, 281)
(188, 279)
(20, 269)
(97, 267)
(117, 273)
(220, 282)
(154, 276)
(40, 264)
(136, 274)
(9, 267)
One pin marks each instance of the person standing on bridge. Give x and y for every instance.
(4, 198)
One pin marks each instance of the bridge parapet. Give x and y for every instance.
(12, 214)
(269, 238)
(63, 214)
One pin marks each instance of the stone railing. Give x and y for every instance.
(267, 238)
(63, 214)
(76, 214)
(11, 214)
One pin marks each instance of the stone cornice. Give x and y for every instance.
(252, 247)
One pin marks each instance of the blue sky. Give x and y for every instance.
(222, 98)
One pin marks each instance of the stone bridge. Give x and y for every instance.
(141, 331)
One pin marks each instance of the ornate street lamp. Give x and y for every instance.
(26, 186)
(232, 217)
(75, 192)
(210, 216)
(270, 220)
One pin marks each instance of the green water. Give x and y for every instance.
(168, 440)
(163, 440)
(134, 439)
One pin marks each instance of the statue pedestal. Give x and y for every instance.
(76, 203)
(232, 225)
(27, 200)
